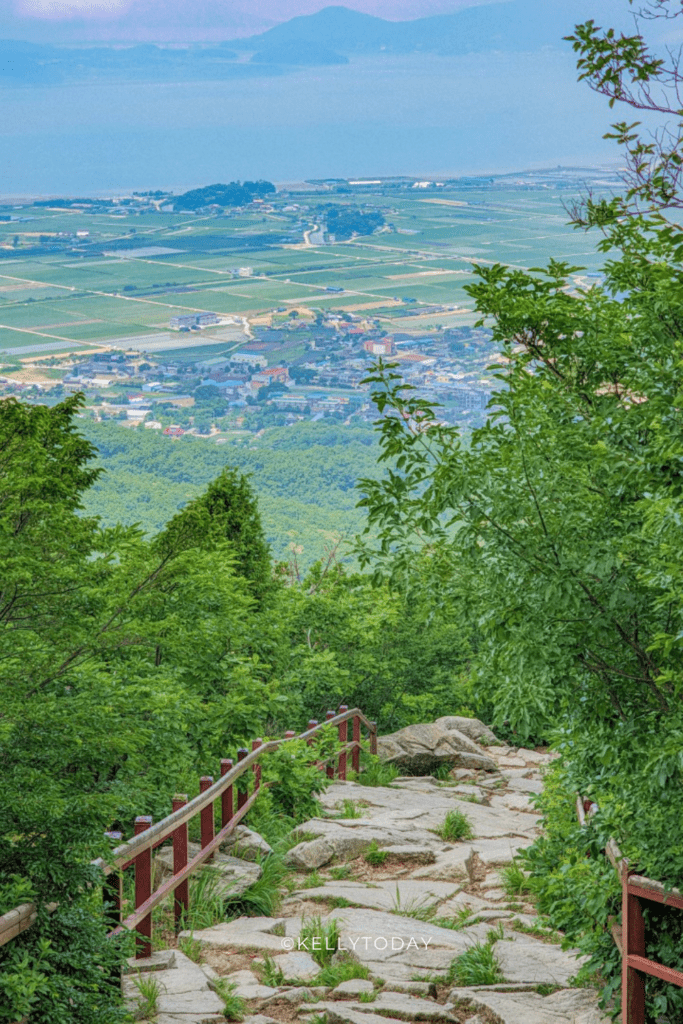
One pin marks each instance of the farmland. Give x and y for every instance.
(73, 280)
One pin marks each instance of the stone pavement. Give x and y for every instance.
(405, 921)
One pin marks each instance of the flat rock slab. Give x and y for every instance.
(450, 863)
(342, 1013)
(354, 987)
(385, 895)
(373, 937)
(300, 965)
(525, 960)
(393, 1006)
(243, 933)
(522, 785)
(569, 1006)
(417, 988)
(190, 1002)
(189, 1018)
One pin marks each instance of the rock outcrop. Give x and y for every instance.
(420, 749)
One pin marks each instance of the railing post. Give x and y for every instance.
(206, 816)
(242, 795)
(255, 744)
(373, 738)
(330, 764)
(181, 894)
(343, 737)
(633, 942)
(290, 734)
(355, 753)
(143, 890)
(227, 809)
(311, 725)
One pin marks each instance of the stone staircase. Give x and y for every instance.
(403, 921)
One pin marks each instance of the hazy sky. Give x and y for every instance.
(277, 10)
(187, 20)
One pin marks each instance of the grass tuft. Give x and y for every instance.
(191, 947)
(455, 827)
(374, 856)
(150, 990)
(234, 1006)
(263, 897)
(515, 882)
(344, 970)
(269, 972)
(478, 965)
(320, 939)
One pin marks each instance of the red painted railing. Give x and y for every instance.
(137, 852)
(629, 936)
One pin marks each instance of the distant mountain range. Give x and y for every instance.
(511, 25)
(331, 36)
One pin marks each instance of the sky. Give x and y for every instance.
(116, 20)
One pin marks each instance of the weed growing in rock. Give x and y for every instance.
(269, 972)
(191, 947)
(462, 919)
(374, 856)
(312, 881)
(340, 873)
(339, 901)
(515, 882)
(367, 997)
(414, 908)
(345, 970)
(263, 896)
(374, 772)
(150, 990)
(349, 809)
(320, 939)
(234, 1007)
(478, 965)
(456, 826)
(207, 900)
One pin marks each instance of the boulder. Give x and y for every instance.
(420, 749)
(233, 875)
(245, 844)
(470, 727)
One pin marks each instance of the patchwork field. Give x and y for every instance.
(119, 284)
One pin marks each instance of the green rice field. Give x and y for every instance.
(104, 295)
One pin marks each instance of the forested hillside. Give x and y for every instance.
(304, 476)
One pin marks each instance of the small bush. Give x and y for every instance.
(456, 826)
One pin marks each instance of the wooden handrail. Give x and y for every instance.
(19, 919)
(629, 936)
